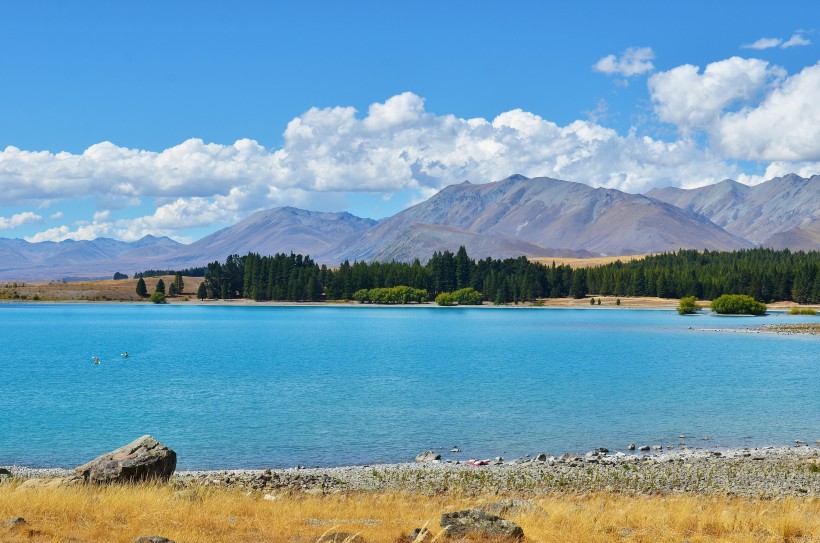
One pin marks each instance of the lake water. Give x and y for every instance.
(262, 386)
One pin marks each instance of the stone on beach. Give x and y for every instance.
(152, 539)
(476, 523)
(428, 456)
(141, 460)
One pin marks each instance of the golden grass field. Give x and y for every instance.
(88, 291)
(119, 514)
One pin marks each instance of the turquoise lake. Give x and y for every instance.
(262, 386)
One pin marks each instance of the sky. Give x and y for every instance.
(179, 118)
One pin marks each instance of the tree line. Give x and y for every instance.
(766, 275)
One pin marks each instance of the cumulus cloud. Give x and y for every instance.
(27, 217)
(785, 126)
(634, 61)
(397, 146)
(690, 99)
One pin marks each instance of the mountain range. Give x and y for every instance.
(534, 217)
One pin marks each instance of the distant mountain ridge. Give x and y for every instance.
(547, 215)
(538, 217)
(781, 213)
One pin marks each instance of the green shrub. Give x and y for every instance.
(157, 297)
(688, 306)
(737, 304)
(802, 311)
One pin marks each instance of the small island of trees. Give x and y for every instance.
(737, 304)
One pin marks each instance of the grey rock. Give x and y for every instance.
(16, 521)
(153, 539)
(643, 448)
(541, 458)
(419, 535)
(141, 460)
(428, 456)
(631, 447)
(455, 450)
(476, 523)
(657, 447)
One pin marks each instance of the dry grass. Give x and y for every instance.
(121, 514)
(587, 262)
(83, 291)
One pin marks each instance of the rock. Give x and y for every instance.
(657, 447)
(428, 456)
(340, 537)
(499, 460)
(16, 521)
(643, 448)
(477, 523)
(143, 459)
(681, 436)
(152, 539)
(512, 507)
(419, 535)
(603, 450)
(541, 458)
(631, 447)
(4, 471)
(455, 450)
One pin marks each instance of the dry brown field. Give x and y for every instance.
(120, 514)
(91, 291)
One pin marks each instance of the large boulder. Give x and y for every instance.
(476, 523)
(141, 460)
(428, 456)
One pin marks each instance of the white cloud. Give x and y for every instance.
(785, 126)
(19, 219)
(399, 147)
(796, 40)
(56, 215)
(689, 99)
(762, 43)
(633, 61)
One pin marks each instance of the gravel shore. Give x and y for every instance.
(767, 472)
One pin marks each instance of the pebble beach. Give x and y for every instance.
(766, 472)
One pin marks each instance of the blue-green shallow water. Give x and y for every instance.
(231, 387)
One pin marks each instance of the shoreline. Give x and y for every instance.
(766, 472)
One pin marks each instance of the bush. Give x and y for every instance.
(391, 295)
(737, 304)
(688, 306)
(445, 298)
(802, 311)
(157, 298)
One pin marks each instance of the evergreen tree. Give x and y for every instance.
(142, 290)
(160, 286)
(202, 291)
(179, 283)
(172, 289)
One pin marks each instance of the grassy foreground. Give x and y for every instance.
(120, 514)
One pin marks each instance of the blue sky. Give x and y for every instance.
(179, 118)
